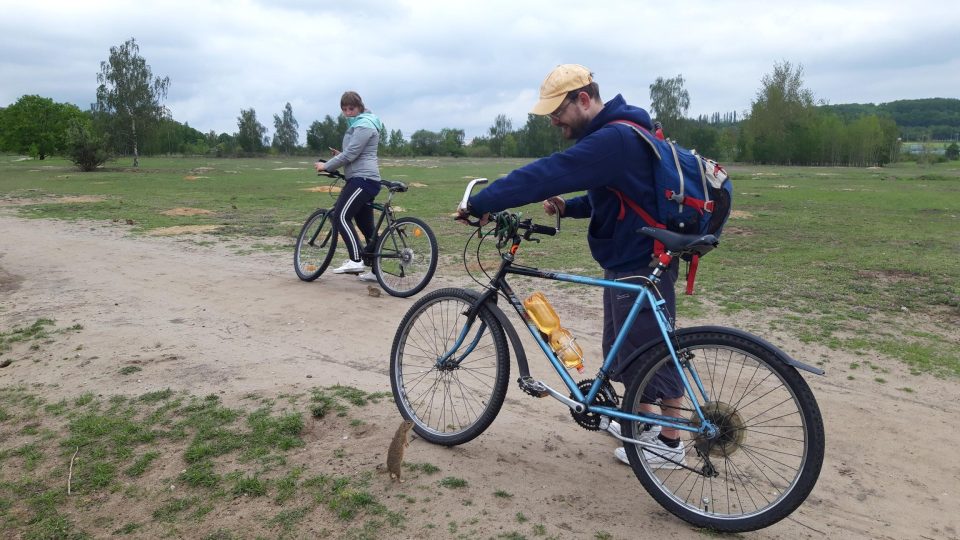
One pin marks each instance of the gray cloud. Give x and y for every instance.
(431, 64)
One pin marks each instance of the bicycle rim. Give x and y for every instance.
(448, 405)
(406, 257)
(315, 247)
(769, 450)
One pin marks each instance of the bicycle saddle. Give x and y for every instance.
(394, 186)
(699, 244)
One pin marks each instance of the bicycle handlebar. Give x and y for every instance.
(468, 191)
(466, 198)
(512, 221)
(331, 174)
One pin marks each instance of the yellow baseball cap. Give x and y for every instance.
(562, 79)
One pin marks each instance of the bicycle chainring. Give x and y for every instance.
(607, 397)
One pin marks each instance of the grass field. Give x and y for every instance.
(839, 253)
(861, 260)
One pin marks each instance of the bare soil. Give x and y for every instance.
(205, 320)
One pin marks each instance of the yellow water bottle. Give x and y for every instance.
(561, 340)
(542, 313)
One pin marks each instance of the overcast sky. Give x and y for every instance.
(435, 64)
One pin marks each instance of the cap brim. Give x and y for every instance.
(547, 105)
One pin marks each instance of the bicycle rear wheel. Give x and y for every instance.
(769, 448)
(316, 244)
(449, 402)
(406, 257)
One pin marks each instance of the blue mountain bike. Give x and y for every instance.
(752, 437)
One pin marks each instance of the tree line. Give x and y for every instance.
(785, 125)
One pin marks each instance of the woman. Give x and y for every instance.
(359, 159)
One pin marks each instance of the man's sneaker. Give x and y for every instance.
(614, 429)
(350, 267)
(367, 276)
(669, 455)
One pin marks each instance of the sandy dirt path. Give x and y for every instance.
(206, 320)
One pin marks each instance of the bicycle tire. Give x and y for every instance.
(770, 448)
(315, 246)
(448, 406)
(406, 257)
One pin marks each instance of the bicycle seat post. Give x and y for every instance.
(663, 262)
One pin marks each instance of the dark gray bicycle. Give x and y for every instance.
(403, 251)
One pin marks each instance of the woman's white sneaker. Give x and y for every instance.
(350, 267)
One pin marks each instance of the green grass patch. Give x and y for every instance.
(110, 445)
(141, 464)
(453, 482)
(425, 468)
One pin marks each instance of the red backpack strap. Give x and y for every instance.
(697, 204)
(647, 218)
(624, 200)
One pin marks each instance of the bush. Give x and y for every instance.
(953, 151)
(85, 148)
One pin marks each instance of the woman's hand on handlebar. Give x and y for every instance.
(320, 166)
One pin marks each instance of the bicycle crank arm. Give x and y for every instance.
(538, 389)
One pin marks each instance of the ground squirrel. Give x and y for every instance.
(395, 452)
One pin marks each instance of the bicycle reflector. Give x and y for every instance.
(418, 232)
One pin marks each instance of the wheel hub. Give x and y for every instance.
(731, 431)
(406, 257)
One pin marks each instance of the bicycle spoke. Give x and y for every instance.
(449, 399)
(749, 469)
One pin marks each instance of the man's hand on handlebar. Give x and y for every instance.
(554, 205)
(463, 216)
(320, 166)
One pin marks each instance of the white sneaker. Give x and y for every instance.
(670, 455)
(614, 429)
(367, 276)
(350, 267)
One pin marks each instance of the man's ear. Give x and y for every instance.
(583, 99)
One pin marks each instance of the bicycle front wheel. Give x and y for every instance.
(768, 450)
(452, 400)
(316, 244)
(406, 257)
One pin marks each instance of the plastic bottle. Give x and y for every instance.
(542, 313)
(561, 340)
(568, 351)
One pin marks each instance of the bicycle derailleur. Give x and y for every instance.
(607, 397)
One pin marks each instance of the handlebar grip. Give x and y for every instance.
(542, 229)
(466, 193)
(331, 174)
(475, 223)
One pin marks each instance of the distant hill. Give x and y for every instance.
(933, 118)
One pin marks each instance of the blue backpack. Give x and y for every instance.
(694, 194)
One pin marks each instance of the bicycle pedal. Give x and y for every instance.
(533, 387)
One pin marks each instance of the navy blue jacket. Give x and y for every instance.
(607, 156)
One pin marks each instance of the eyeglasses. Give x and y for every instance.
(555, 115)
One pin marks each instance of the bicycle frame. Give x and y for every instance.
(583, 403)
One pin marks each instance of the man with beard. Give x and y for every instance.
(615, 168)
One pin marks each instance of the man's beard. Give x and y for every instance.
(577, 128)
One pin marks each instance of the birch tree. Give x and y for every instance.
(130, 93)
